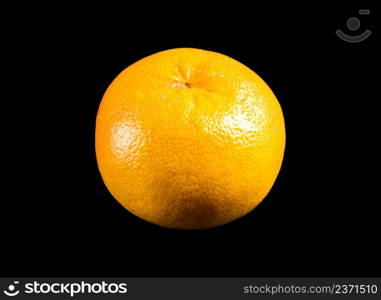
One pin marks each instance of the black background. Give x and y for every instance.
(320, 219)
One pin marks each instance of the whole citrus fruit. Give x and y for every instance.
(190, 139)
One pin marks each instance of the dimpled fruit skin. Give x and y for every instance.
(189, 139)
